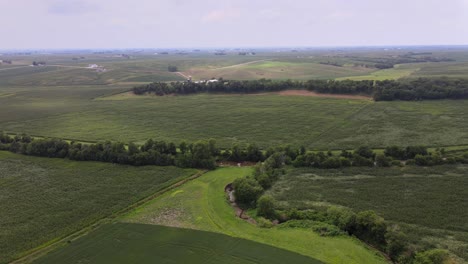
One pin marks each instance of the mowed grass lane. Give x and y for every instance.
(44, 199)
(202, 204)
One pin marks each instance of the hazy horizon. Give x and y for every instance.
(210, 24)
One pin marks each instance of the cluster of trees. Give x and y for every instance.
(172, 68)
(421, 89)
(370, 228)
(387, 90)
(201, 154)
(249, 189)
(221, 86)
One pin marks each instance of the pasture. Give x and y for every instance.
(201, 204)
(428, 203)
(138, 243)
(46, 199)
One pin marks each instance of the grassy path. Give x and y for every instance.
(202, 205)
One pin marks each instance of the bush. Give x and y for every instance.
(341, 217)
(365, 152)
(266, 207)
(371, 228)
(323, 229)
(382, 160)
(264, 223)
(397, 243)
(433, 256)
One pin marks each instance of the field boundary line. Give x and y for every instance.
(36, 253)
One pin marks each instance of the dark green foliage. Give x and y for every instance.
(365, 152)
(247, 191)
(266, 207)
(321, 228)
(341, 217)
(371, 228)
(395, 152)
(382, 161)
(412, 151)
(433, 256)
(397, 243)
(172, 68)
(387, 90)
(253, 153)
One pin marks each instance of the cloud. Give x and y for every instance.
(71, 7)
(221, 15)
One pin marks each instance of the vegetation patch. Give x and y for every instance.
(204, 206)
(45, 199)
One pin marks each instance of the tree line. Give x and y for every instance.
(205, 153)
(386, 90)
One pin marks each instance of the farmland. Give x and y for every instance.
(137, 243)
(267, 120)
(201, 204)
(45, 199)
(428, 203)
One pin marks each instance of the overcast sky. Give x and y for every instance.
(230, 23)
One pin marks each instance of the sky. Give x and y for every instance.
(100, 24)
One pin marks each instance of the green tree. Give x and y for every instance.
(246, 191)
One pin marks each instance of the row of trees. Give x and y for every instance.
(201, 154)
(205, 154)
(387, 90)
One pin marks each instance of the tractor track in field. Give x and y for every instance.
(46, 248)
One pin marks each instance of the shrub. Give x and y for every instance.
(371, 228)
(264, 223)
(433, 256)
(266, 207)
(322, 228)
(382, 160)
(397, 243)
(341, 217)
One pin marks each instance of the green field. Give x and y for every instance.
(44, 199)
(137, 243)
(428, 203)
(277, 70)
(201, 204)
(267, 120)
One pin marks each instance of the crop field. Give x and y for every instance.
(137, 243)
(201, 204)
(429, 203)
(399, 71)
(277, 70)
(85, 113)
(45, 199)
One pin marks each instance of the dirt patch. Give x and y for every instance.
(314, 94)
